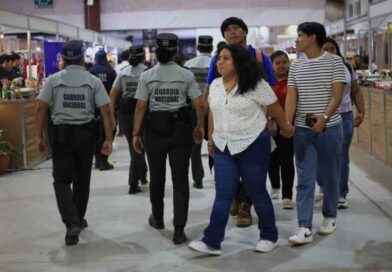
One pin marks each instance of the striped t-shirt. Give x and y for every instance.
(313, 79)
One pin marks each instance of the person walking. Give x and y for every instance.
(162, 95)
(73, 94)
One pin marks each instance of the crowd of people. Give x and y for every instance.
(257, 113)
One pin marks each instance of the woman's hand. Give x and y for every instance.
(358, 119)
(210, 147)
(198, 134)
(272, 127)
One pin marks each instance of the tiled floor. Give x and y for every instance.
(119, 239)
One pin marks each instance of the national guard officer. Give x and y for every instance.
(164, 90)
(199, 67)
(126, 84)
(107, 75)
(73, 95)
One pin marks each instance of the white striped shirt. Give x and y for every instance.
(313, 79)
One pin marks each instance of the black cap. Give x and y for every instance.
(73, 50)
(137, 50)
(233, 21)
(205, 40)
(167, 40)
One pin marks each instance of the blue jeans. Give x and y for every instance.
(348, 129)
(251, 166)
(317, 152)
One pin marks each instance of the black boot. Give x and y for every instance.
(179, 236)
(198, 184)
(144, 180)
(105, 165)
(156, 224)
(133, 191)
(72, 235)
(83, 223)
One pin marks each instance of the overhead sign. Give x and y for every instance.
(43, 3)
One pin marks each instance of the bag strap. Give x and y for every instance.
(259, 56)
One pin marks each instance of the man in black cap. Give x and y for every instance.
(199, 66)
(234, 30)
(125, 85)
(107, 75)
(73, 94)
(162, 95)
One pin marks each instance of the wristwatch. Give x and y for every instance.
(326, 117)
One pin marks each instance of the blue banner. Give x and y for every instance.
(53, 52)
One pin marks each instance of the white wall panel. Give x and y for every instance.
(13, 20)
(68, 30)
(207, 18)
(42, 25)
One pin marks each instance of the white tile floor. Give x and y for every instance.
(119, 239)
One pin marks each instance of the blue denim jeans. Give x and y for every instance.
(348, 129)
(251, 166)
(317, 153)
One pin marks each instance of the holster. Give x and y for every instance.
(161, 123)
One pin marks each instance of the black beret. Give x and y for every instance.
(73, 50)
(233, 21)
(168, 41)
(137, 50)
(205, 40)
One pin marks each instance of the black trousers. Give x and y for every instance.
(138, 166)
(197, 164)
(178, 147)
(72, 154)
(282, 166)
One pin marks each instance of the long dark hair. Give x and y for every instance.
(249, 72)
(330, 40)
(135, 60)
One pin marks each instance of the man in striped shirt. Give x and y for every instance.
(315, 88)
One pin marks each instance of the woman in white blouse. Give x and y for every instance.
(241, 145)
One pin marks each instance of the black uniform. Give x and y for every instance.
(166, 87)
(107, 75)
(73, 94)
(126, 83)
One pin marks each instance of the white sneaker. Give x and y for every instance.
(200, 246)
(328, 226)
(342, 203)
(287, 204)
(275, 193)
(265, 246)
(301, 236)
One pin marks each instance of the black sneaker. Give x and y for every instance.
(72, 235)
(179, 236)
(83, 223)
(105, 165)
(133, 191)
(155, 223)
